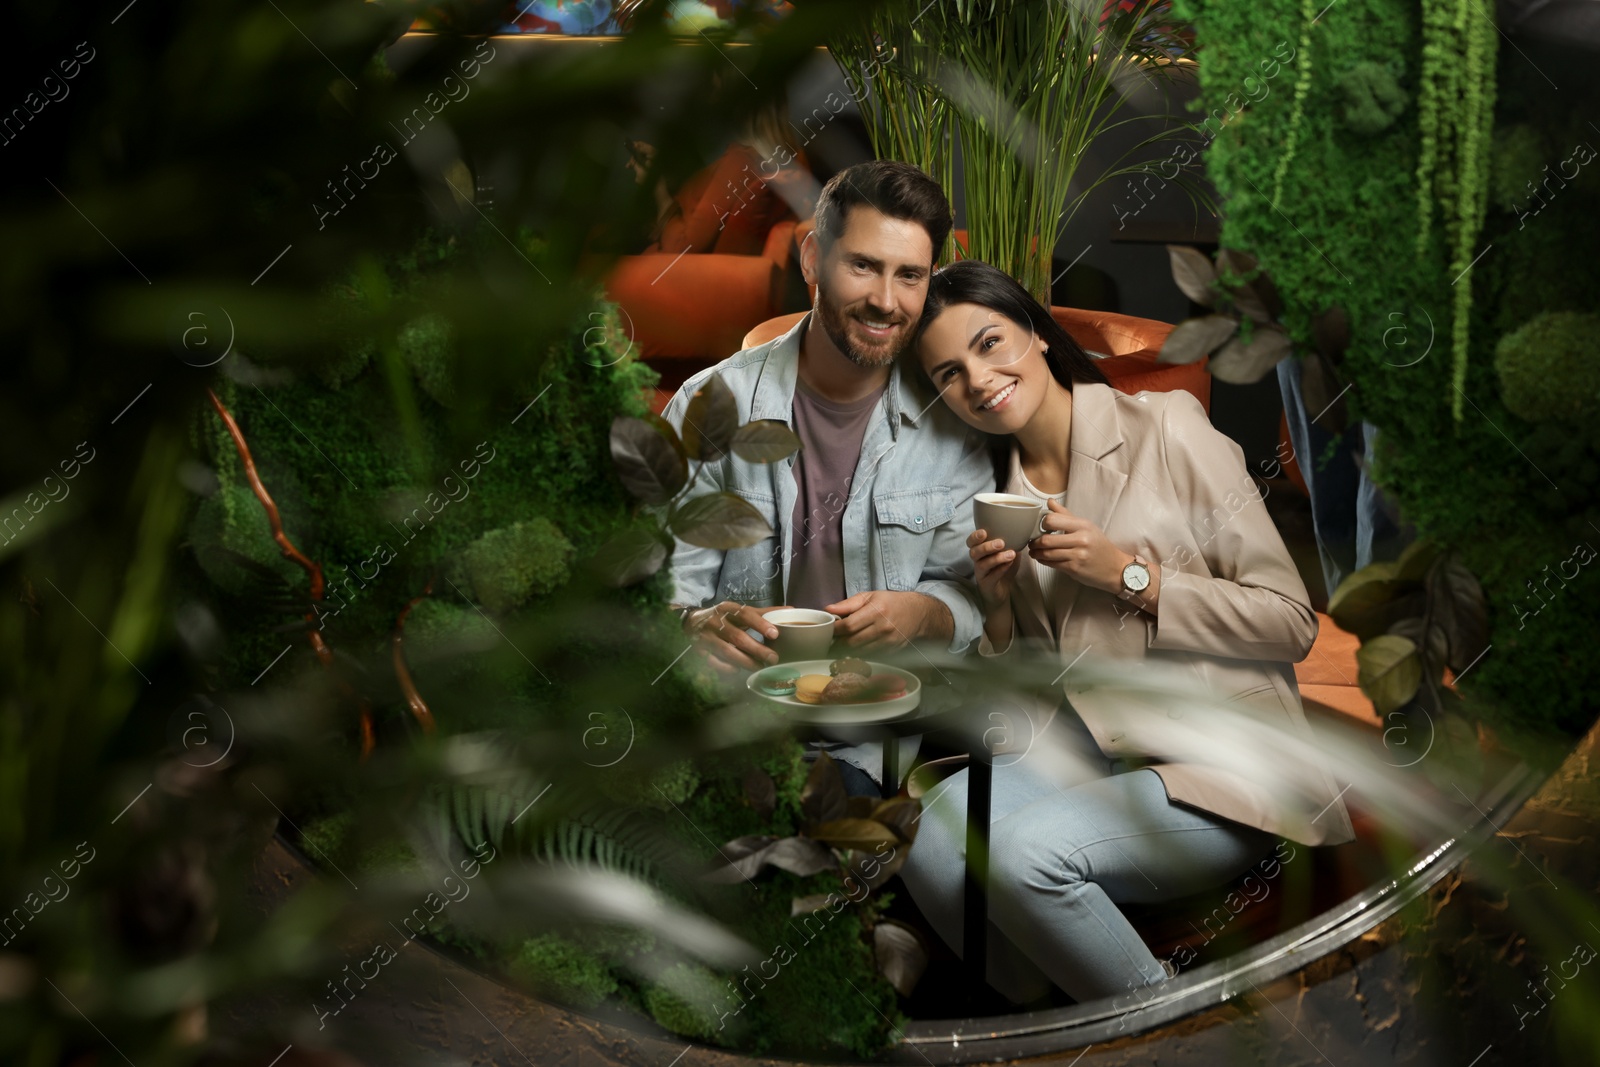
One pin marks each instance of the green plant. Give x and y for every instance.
(1415, 616)
(1029, 88)
(505, 567)
(364, 359)
(1242, 335)
(1244, 299)
(563, 971)
(1302, 86)
(1373, 97)
(1516, 164)
(1548, 367)
(653, 464)
(909, 119)
(1456, 113)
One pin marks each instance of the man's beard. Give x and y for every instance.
(836, 324)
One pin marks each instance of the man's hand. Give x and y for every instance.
(883, 619)
(719, 633)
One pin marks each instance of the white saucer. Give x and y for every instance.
(839, 714)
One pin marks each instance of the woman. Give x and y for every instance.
(1156, 547)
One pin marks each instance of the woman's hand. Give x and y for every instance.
(1080, 549)
(995, 567)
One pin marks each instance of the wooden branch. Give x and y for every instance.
(419, 707)
(293, 554)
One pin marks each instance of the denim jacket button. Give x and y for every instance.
(918, 520)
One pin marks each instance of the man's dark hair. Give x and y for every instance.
(899, 190)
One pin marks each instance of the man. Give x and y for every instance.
(870, 519)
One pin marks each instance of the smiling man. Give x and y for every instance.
(869, 520)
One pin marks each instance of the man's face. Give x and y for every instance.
(871, 284)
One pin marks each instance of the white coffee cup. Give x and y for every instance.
(802, 633)
(1016, 520)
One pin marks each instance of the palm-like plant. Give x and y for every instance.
(1029, 87)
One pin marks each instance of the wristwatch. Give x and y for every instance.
(1135, 580)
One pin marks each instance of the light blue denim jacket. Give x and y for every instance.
(906, 521)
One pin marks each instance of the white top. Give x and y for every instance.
(1046, 578)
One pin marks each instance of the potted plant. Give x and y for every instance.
(1028, 89)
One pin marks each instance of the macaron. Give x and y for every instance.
(850, 665)
(845, 688)
(808, 688)
(885, 687)
(778, 685)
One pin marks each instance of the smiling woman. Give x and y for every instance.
(1122, 478)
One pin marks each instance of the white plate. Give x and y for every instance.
(855, 714)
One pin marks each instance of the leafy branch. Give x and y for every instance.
(653, 463)
(1415, 616)
(1242, 334)
(844, 834)
(290, 552)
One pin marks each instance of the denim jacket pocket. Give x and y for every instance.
(753, 574)
(905, 519)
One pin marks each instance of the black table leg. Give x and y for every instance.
(975, 935)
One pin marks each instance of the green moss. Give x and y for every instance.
(232, 523)
(505, 567)
(556, 968)
(1515, 166)
(676, 782)
(424, 343)
(1550, 368)
(334, 838)
(685, 1000)
(1354, 242)
(1372, 98)
(497, 505)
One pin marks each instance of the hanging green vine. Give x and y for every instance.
(1455, 109)
(1302, 85)
(1434, 57)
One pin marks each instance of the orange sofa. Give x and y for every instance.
(719, 267)
(686, 312)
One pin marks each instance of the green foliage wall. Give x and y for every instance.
(1344, 229)
(388, 487)
(385, 480)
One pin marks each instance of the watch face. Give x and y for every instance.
(1136, 576)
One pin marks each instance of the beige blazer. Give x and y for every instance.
(1151, 471)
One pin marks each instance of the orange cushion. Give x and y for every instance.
(692, 307)
(771, 329)
(1328, 676)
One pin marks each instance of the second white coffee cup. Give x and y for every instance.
(1016, 520)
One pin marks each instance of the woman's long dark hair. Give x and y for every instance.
(972, 281)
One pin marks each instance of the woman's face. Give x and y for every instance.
(990, 370)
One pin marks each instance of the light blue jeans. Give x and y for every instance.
(1062, 854)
